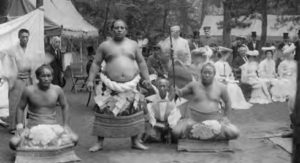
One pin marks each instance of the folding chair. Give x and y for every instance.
(78, 76)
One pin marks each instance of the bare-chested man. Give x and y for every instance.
(205, 105)
(42, 100)
(124, 66)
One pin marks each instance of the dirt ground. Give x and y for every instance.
(257, 120)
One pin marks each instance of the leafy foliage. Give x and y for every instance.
(152, 17)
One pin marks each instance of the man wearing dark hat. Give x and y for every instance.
(297, 44)
(285, 44)
(286, 41)
(207, 40)
(254, 44)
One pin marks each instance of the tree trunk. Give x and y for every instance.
(227, 23)
(4, 7)
(183, 17)
(203, 11)
(264, 25)
(166, 13)
(104, 30)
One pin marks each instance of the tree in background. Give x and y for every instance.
(237, 12)
(152, 17)
(4, 4)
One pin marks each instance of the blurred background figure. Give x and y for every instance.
(57, 61)
(142, 43)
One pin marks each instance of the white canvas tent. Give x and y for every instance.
(58, 14)
(274, 29)
(34, 22)
(63, 13)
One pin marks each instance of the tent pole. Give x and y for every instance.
(81, 59)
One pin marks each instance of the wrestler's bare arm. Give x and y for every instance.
(226, 100)
(142, 64)
(64, 106)
(96, 65)
(22, 105)
(187, 90)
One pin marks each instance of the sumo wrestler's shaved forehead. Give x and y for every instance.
(207, 65)
(163, 81)
(117, 21)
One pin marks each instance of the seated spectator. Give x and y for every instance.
(224, 74)
(285, 86)
(260, 93)
(267, 66)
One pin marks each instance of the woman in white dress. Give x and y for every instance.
(224, 74)
(260, 93)
(266, 68)
(285, 86)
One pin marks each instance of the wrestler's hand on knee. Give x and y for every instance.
(147, 84)
(225, 120)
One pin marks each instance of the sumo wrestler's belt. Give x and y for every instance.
(118, 98)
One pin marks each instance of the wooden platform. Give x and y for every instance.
(60, 155)
(190, 145)
(284, 143)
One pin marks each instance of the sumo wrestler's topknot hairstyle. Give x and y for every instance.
(209, 64)
(40, 69)
(113, 23)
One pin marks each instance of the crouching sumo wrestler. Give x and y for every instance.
(41, 130)
(205, 120)
(118, 97)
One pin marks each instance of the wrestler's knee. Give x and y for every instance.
(14, 142)
(231, 131)
(182, 127)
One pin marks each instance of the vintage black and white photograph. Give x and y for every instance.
(149, 81)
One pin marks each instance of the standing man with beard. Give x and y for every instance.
(124, 68)
(57, 61)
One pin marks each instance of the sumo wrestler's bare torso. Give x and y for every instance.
(120, 58)
(42, 102)
(206, 99)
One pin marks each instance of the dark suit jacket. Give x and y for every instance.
(297, 55)
(236, 64)
(57, 65)
(257, 46)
